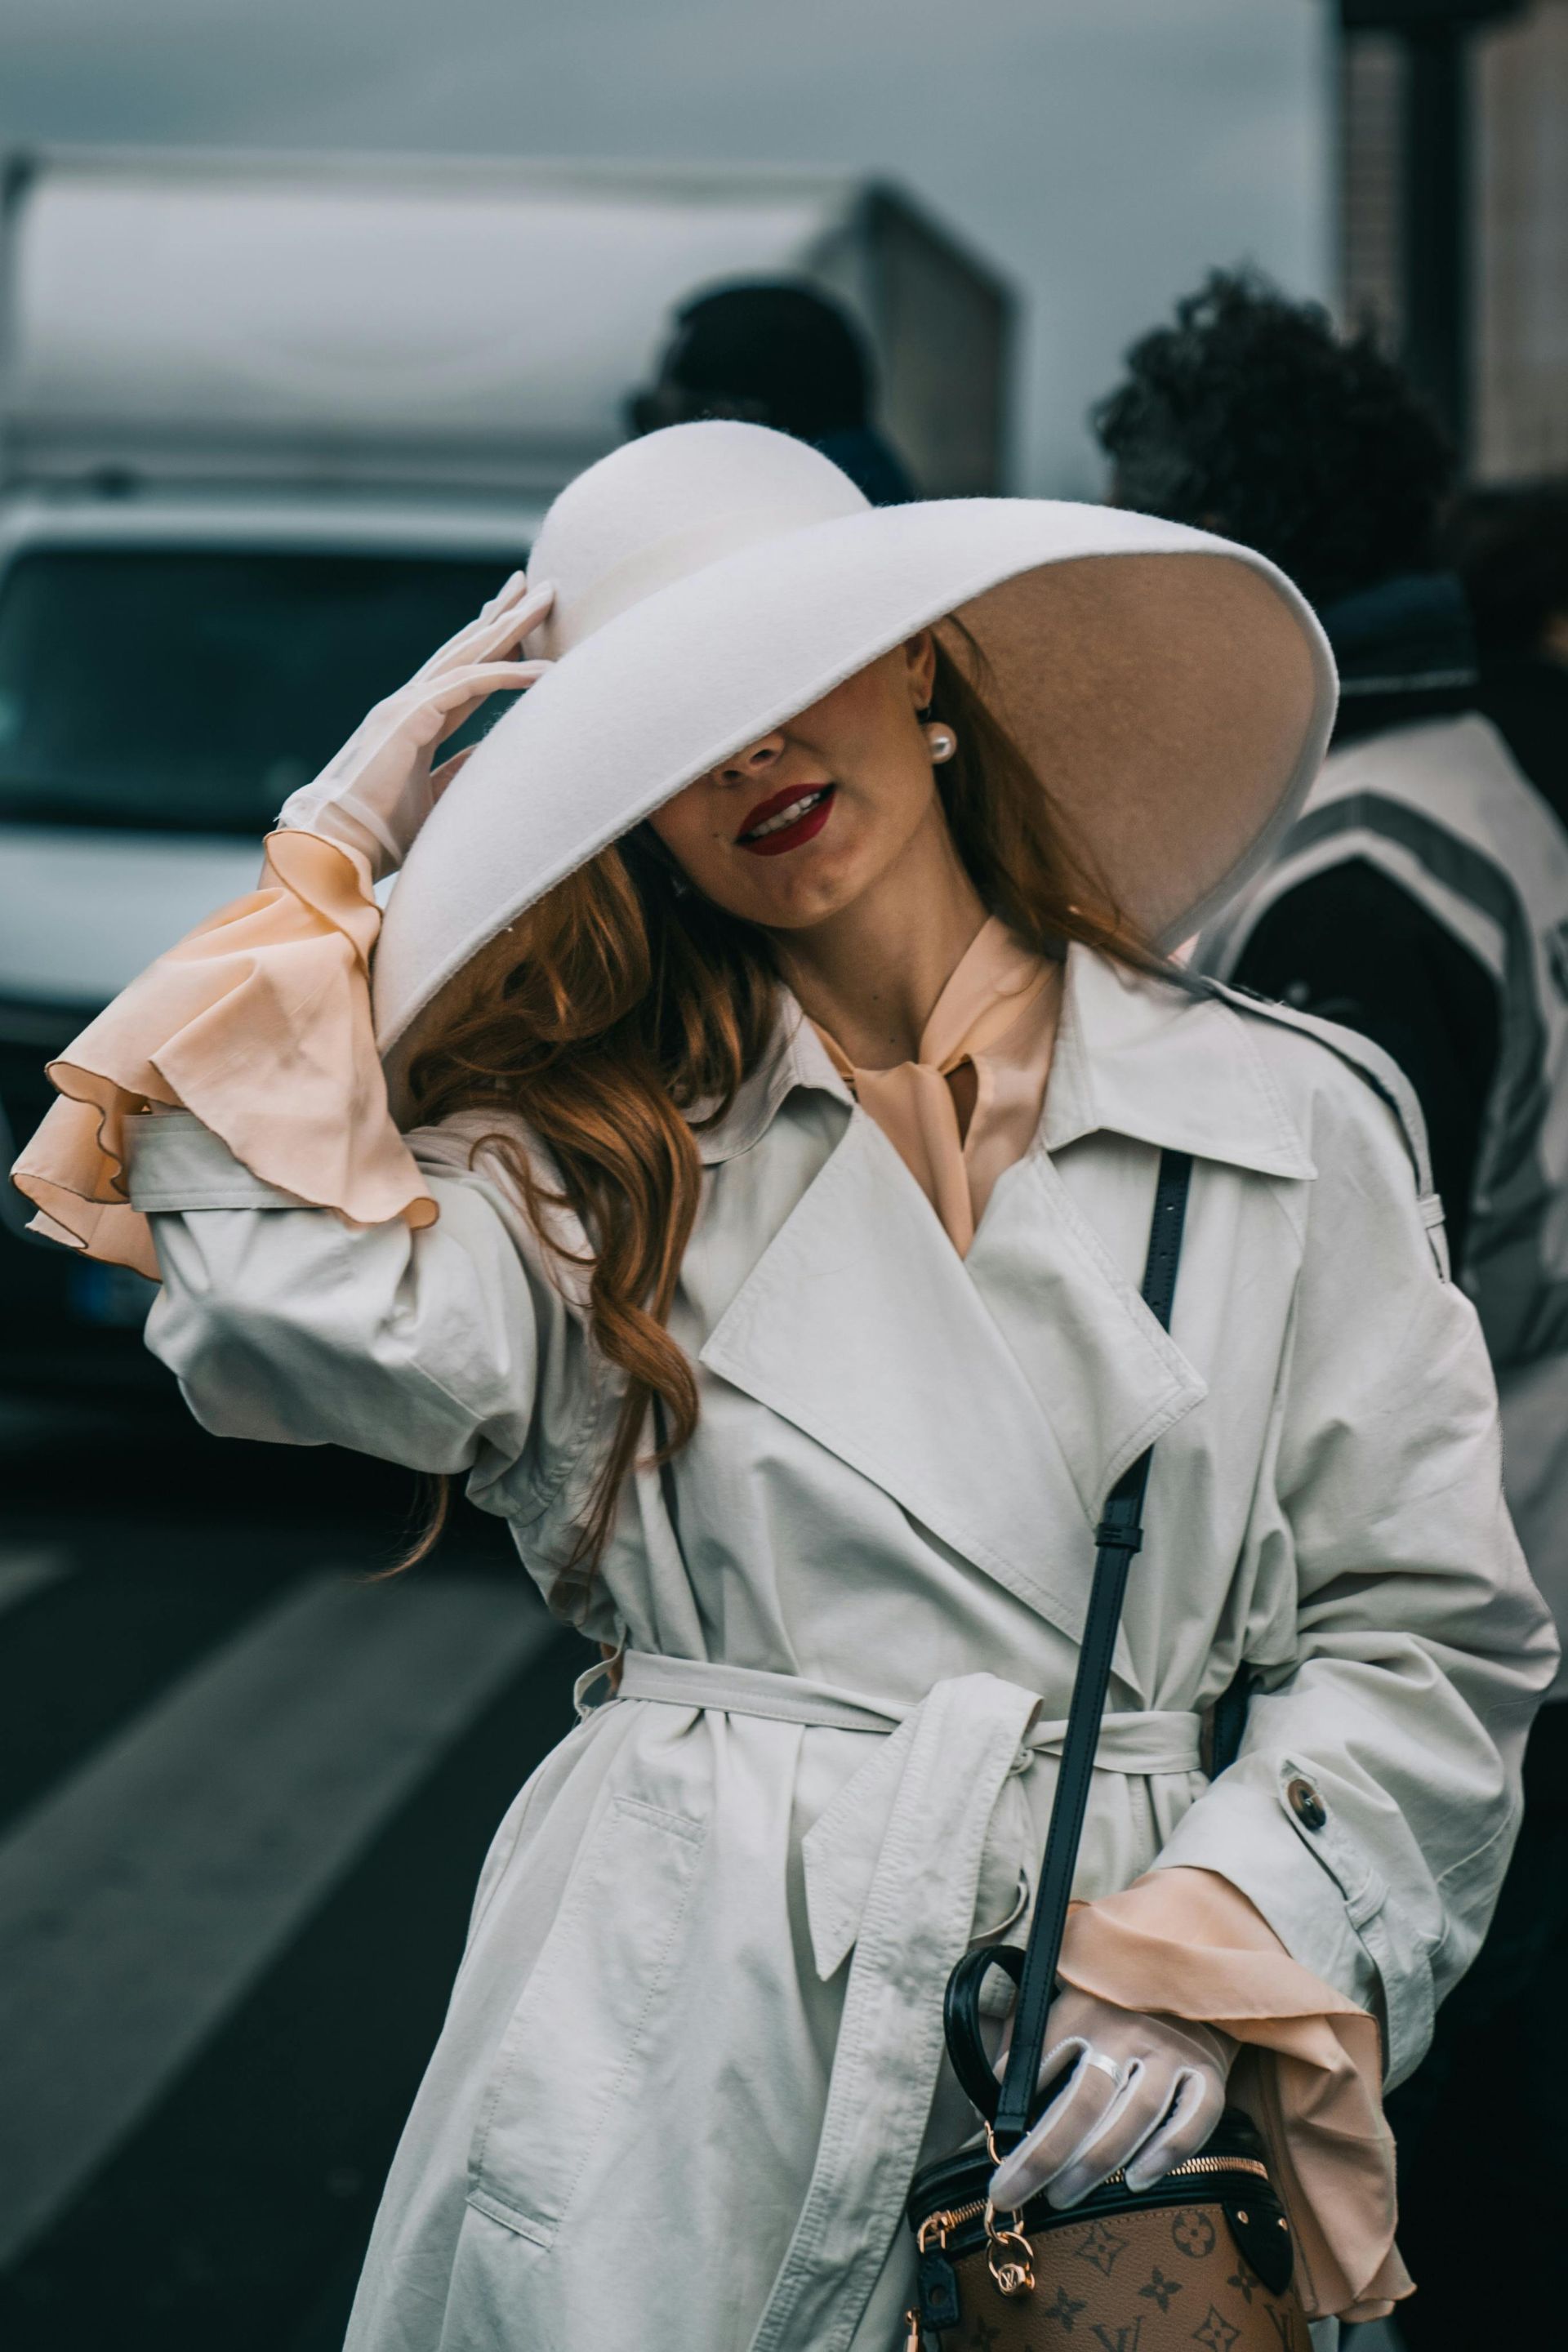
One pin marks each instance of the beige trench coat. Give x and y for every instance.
(692, 2050)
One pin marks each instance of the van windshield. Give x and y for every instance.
(191, 690)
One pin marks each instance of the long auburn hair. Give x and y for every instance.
(633, 1004)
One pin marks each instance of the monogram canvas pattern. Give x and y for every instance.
(1161, 2281)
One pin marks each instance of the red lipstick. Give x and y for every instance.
(814, 806)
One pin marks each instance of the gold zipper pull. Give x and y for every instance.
(913, 2340)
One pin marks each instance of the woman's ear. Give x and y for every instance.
(920, 654)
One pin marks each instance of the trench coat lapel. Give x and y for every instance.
(861, 1326)
(997, 1399)
(1166, 1071)
(1104, 1373)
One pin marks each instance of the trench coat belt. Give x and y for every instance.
(932, 1829)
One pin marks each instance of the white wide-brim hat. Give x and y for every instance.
(1173, 692)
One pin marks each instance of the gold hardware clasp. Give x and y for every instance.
(1009, 2257)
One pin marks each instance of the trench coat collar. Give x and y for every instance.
(1134, 1055)
(795, 1057)
(1168, 1063)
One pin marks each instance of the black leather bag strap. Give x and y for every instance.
(1117, 1537)
(1230, 1721)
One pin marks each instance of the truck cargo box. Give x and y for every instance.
(442, 325)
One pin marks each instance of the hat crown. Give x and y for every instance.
(658, 508)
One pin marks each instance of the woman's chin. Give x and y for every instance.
(788, 896)
(813, 901)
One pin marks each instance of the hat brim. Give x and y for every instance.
(1173, 692)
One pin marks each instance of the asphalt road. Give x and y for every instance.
(245, 1794)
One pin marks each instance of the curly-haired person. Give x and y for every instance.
(1421, 897)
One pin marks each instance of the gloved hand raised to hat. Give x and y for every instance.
(1143, 2093)
(379, 790)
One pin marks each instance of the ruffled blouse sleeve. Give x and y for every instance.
(260, 1022)
(1186, 1943)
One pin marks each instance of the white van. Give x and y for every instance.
(270, 429)
(170, 669)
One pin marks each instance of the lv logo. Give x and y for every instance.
(1119, 2339)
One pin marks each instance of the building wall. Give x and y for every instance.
(1372, 92)
(1522, 294)
(1519, 182)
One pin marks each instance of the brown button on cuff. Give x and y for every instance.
(1305, 1804)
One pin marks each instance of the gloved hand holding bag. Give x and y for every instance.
(1141, 2093)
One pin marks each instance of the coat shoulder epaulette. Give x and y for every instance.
(1377, 1069)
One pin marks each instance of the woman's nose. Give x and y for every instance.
(752, 761)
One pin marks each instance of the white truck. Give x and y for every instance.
(270, 428)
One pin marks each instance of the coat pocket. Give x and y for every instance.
(571, 2055)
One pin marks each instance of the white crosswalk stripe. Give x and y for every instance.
(146, 1893)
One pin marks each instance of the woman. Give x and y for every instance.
(741, 1257)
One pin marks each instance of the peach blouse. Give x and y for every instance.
(998, 1014)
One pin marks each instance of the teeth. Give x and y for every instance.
(791, 816)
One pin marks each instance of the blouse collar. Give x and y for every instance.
(1164, 1061)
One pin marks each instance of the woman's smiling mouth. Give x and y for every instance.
(786, 819)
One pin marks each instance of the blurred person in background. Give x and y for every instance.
(1422, 898)
(779, 354)
(1510, 549)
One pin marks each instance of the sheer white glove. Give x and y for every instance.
(1144, 2092)
(379, 790)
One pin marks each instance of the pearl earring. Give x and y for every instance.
(940, 742)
